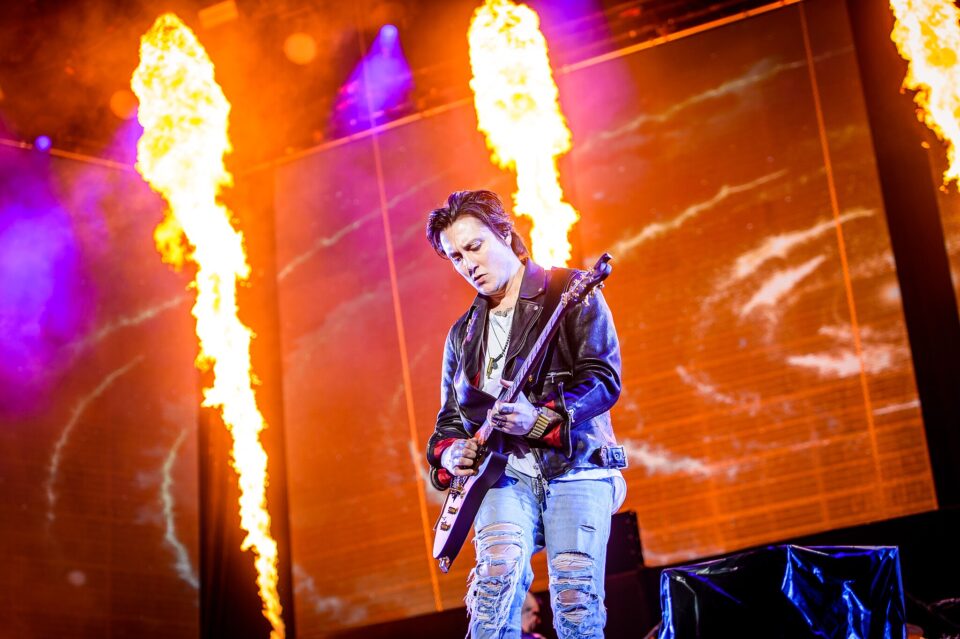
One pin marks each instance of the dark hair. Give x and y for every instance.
(483, 205)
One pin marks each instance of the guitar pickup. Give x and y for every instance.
(452, 510)
(444, 526)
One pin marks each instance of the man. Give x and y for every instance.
(561, 483)
(530, 618)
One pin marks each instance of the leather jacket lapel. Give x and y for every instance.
(473, 340)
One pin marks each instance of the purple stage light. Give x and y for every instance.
(46, 299)
(42, 143)
(378, 88)
(388, 34)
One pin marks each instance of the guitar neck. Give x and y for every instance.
(521, 376)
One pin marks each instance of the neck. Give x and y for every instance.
(512, 290)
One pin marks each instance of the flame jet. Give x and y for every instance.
(518, 111)
(180, 154)
(927, 34)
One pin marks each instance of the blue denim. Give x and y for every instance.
(521, 516)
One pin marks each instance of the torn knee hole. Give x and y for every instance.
(571, 561)
(502, 552)
(498, 561)
(494, 580)
(572, 597)
(501, 527)
(498, 549)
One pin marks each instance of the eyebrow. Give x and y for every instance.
(454, 253)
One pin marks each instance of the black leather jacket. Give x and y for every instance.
(579, 379)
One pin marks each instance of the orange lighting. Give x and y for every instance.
(927, 34)
(518, 111)
(123, 104)
(180, 154)
(300, 48)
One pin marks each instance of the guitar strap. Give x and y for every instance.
(559, 281)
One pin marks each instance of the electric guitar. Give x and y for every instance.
(466, 492)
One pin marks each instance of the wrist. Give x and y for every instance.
(540, 424)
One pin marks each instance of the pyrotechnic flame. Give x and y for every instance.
(517, 109)
(180, 154)
(927, 33)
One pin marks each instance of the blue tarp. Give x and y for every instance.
(787, 591)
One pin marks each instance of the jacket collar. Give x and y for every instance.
(534, 281)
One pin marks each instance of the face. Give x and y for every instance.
(482, 257)
(529, 614)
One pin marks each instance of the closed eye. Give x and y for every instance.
(471, 247)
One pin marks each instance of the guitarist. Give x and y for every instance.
(562, 480)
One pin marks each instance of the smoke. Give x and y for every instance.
(656, 230)
(658, 461)
(79, 408)
(305, 587)
(746, 402)
(777, 285)
(182, 565)
(126, 321)
(780, 245)
(46, 298)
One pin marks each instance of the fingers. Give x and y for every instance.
(464, 453)
(503, 414)
(513, 418)
(502, 408)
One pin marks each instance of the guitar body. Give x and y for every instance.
(461, 506)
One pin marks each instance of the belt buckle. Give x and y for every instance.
(613, 456)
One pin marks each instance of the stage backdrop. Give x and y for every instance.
(98, 407)
(768, 387)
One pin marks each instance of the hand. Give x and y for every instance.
(516, 418)
(460, 457)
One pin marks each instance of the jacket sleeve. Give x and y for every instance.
(594, 352)
(449, 426)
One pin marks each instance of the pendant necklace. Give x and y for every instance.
(495, 361)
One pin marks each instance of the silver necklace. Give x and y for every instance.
(494, 362)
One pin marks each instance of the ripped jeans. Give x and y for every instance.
(520, 517)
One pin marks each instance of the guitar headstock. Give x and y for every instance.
(587, 281)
